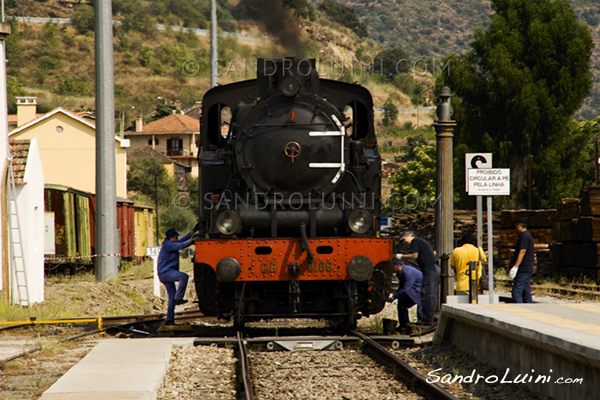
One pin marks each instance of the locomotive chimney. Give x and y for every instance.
(288, 76)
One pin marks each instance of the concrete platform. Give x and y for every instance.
(553, 349)
(117, 369)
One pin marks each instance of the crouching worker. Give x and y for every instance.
(168, 270)
(408, 293)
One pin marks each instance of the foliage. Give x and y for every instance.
(302, 8)
(391, 63)
(194, 195)
(134, 16)
(414, 182)
(408, 152)
(163, 110)
(390, 113)
(69, 86)
(83, 19)
(407, 84)
(141, 178)
(345, 16)
(518, 87)
(181, 219)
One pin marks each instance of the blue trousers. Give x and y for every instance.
(403, 305)
(521, 290)
(168, 279)
(429, 293)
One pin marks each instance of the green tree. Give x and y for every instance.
(149, 178)
(413, 184)
(518, 88)
(182, 219)
(390, 113)
(391, 63)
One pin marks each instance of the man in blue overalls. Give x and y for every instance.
(168, 270)
(408, 293)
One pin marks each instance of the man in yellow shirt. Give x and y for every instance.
(459, 261)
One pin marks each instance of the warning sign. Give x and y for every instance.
(489, 181)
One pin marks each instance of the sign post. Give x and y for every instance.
(477, 160)
(489, 182)
(154, 251)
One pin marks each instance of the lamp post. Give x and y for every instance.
(444, 207)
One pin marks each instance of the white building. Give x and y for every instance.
(29, 194)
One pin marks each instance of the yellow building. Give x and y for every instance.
(67, 146)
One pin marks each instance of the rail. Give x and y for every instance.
(246, 381)
(407, 373)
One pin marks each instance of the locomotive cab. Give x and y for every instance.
(290, 192)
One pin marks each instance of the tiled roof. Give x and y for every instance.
(19, 149)
(174, 123)
(147, 151)
(13, 119)
(195, 111)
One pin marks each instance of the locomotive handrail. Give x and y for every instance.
(304, 239)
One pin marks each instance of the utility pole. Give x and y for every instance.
(107, 241)
(4, 264)
(213, 44)
(444, 208)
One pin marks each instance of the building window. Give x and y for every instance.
(59, 129)
(174, 147)
(150, 142)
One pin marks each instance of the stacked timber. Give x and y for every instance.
(540, 225)
(465, 222)
(576, 234)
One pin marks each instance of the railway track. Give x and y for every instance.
(346, 362)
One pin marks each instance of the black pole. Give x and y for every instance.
(596, 163)
(473, 281)
(529, 182)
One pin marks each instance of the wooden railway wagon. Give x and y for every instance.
(68, 228)
(71, 224)
(144, 220)
(125, 225)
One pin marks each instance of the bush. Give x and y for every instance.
(83, 19)
(344, 16)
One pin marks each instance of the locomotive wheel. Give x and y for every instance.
(350, 322)
(205, 281)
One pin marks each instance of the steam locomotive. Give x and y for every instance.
(290, 184)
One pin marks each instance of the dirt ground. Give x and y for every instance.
(28, 377)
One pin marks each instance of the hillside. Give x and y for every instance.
(172, 64)
(168, 63)
(430, 28)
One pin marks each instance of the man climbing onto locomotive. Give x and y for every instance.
(168, 270)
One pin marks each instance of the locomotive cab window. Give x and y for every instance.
(349, 123)
(218, 123)
(225, 121)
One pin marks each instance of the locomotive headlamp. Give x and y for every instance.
(228, 269)
(359, 221)
(228, 222)
(290, 87)
(360, 268)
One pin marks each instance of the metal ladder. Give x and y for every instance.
(19, 273)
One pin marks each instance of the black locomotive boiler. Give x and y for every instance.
(290, 184)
